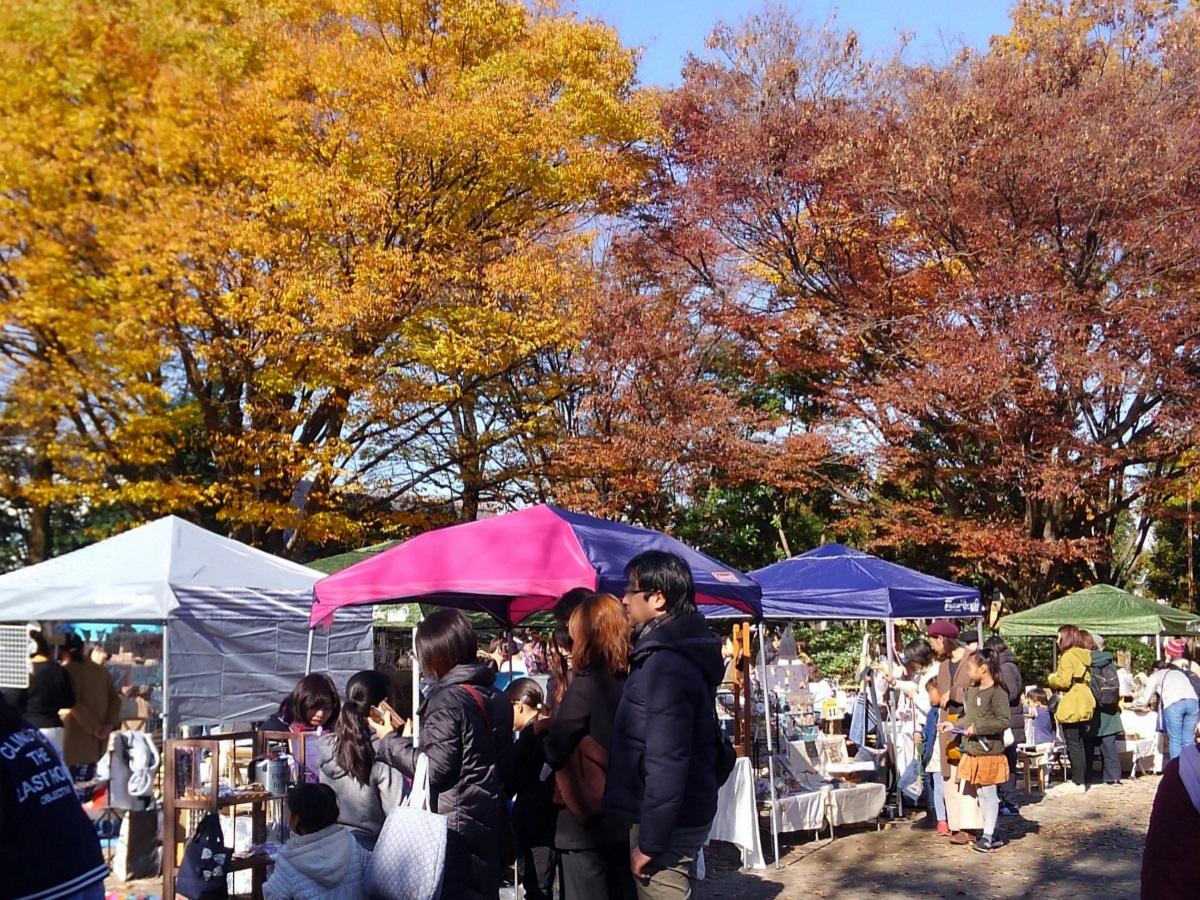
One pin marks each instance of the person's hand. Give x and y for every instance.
(407, 729)
(638, 862)
(970, 732)
(945, 726)
(381, 729)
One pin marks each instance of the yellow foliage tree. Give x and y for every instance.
(281, 264)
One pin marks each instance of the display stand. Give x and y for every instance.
(195, 769)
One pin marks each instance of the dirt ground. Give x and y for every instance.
(1076, 846)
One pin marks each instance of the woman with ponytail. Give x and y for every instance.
(367, 788)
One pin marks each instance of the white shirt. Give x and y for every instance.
(1173, 684)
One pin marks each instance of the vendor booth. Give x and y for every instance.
(841, 583)
(1101, 609)
(234, 618)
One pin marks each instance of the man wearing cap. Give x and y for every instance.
(952, 682)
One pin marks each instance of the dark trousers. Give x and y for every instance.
(1008, 789)
(538, 867)
(1079, 740)
(598, 874)
(1110, 759)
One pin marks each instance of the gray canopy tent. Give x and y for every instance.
(235, 629)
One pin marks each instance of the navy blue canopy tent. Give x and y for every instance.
(837, 582)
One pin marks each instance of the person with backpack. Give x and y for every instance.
(1106, 725)
(1077, 706)
(1178, 692)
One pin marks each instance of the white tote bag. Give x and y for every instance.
(410, 855)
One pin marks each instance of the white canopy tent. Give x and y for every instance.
(235, 619)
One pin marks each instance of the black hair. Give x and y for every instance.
(527, 691)
(996, 644)
(918, 651)
(668, 574)
(73, 646)
(353, 750)
(315, 806)
(41, 648)
(569, 602)
(990, 660)
(445, 639)
(313, 692)
(1037, 695)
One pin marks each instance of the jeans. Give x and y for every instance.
(1078, 738)
(1179, 721)
(939, 796)
(673, 873)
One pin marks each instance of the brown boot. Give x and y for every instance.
(960, 837)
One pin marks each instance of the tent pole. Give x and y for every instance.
(416, 691)
(166, 677)
(893, 698)
(766, 683)
(308, 653)
(508, 648)
(1158, 646)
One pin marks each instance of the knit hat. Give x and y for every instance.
(942, 628)
(1174, 647)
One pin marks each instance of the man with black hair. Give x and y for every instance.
(664, 748)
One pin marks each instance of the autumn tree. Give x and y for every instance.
(288, 264)
(984, 273)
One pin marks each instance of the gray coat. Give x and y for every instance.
(362, 807)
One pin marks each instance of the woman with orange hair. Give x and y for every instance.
(594, 848)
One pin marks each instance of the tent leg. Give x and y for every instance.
(166, 679)
(416, 691)
(766, 683)
(508, 644)
(308, 653)
(893, 697)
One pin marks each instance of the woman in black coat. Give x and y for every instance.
(594, 853)
(466, 734)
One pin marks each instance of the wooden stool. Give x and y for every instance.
(1033, 765)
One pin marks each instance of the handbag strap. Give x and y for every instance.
(418, 797)
(487, 716)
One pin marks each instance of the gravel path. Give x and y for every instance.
(1072, 846)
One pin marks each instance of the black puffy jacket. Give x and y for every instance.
(1011, 676)
(663, 757)
(468, 746)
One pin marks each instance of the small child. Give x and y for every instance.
(1038, 714)
(321, 858)
(985, 719)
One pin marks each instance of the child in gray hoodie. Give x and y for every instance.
(321, 859)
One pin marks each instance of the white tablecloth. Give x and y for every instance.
(801, 812)
(737, 815)
(1143, 727)
(861, 803)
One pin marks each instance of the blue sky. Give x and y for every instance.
(669, 29)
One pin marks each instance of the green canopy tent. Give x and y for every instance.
(1102, 609)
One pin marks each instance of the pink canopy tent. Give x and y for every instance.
(516, 564)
